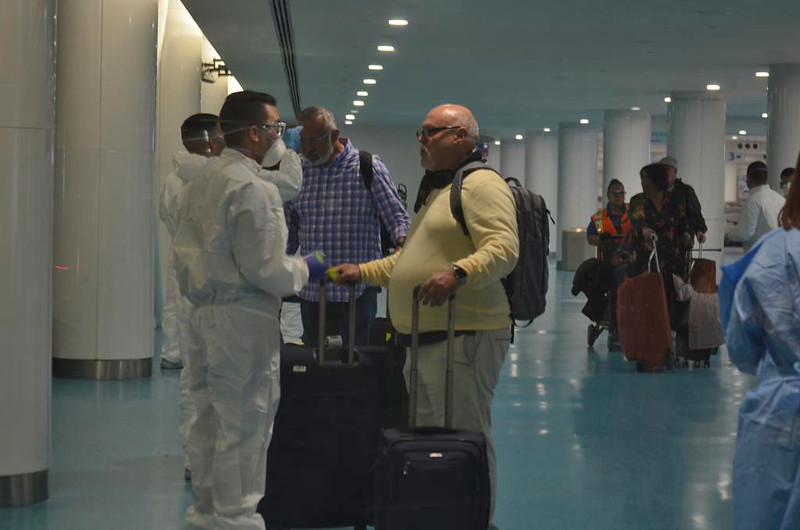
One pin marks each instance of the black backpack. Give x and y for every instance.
(365, 165)
(526, 285)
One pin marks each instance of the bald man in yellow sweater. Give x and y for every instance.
(439, 256)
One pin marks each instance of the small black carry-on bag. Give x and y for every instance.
(432, 478)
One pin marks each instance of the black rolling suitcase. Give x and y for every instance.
(334, 401)
(432, 478)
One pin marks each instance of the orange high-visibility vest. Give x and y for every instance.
(608, 225)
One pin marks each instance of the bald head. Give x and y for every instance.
(448, 136)
(461, 116)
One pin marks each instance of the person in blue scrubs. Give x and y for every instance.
(760, 301)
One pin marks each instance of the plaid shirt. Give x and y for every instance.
(335, 213)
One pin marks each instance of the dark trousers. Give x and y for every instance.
(337, 318)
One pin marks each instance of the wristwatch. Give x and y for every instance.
(460, 274)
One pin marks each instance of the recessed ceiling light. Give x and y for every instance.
(375, 67)
(636, 108)
(764, 115)
(497, 142)
(762, 74)
(362, 93)
(667, 99)
(518, 137)
(348, 122)
(398, 22)
(385, 48)
(350, 117)
(584, 121)
(370, 82)
(713, 87)
(358, 103)
(734, 137)
(354, 111)
(546, 129)
(742, 132)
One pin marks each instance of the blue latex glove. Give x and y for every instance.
(292, 137)
(316, 266)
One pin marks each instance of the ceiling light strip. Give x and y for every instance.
(283, 27)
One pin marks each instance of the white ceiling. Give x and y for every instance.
(519, 65)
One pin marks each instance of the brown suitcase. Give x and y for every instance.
(703, 275)
(643, 321)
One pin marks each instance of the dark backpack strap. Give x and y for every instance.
(365, 167)
(456, 208)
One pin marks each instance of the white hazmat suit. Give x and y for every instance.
(176, 308)
(231, 264)
(187, 166)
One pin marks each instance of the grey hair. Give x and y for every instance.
(310, 113)
(471, 125)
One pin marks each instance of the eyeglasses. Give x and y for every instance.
(427, 132)
(314, 139)
(278, 127)
(617, 193)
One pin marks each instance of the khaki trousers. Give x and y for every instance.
(478, 361)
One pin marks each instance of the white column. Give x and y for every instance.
(512, 159)
(541, 172)
(696, 138)
(577, 177)
(27, 125)
(103, 292)
(178, 98)
(626, 147)
(783, 136)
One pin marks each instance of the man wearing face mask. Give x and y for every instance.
(335, 212)
(202, 138)
(231, 264)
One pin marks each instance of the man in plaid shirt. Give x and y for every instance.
(335, 212)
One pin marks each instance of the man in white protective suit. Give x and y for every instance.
(231, 264)
(202, 137)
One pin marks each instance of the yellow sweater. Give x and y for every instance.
(436, 242)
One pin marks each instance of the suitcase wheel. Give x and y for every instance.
(592, 333)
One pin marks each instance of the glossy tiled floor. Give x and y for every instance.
(583, 442)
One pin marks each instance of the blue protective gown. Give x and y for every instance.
(760, 299)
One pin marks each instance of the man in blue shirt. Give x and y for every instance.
(335, 212)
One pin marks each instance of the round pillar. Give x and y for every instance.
(512, 159)
(27, 127)
(626, 147)
(541, 171)
(103, 283)
(178, 98)
(696, 138)
(783, 136)
(577, 177)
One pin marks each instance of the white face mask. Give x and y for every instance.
(275, 154)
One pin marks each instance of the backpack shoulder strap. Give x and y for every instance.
(365, 167)
(456, 207)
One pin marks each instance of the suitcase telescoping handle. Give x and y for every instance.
(654, 254)
(351, 339)
(414, 379)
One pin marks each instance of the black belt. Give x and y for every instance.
(430, 337)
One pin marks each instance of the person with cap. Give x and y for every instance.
(760, 212)
(685, 194)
